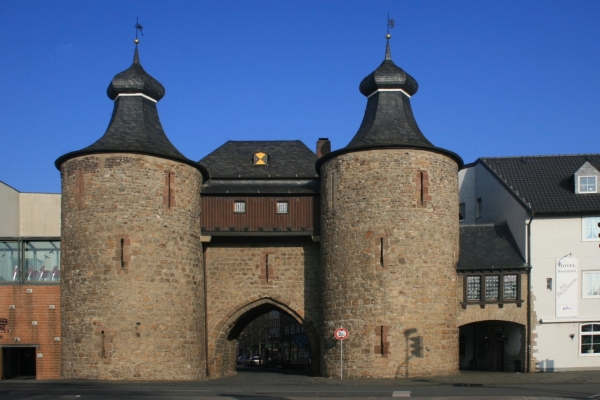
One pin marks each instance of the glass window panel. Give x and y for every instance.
(282, 207)
(239, 207)
(590, 338)
(9, 261)
(510, 286)
(491, 287)
(591, 228)
(591, 284)
(473, 287)
(461, 211)
(42, 261)
(587, 184)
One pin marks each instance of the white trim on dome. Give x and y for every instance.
(389, 90)
(136, 94)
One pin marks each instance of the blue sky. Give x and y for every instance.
(496, 78)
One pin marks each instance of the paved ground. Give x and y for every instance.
(273, 384)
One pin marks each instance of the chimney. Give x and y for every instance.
(323, 147)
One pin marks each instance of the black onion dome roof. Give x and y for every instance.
(388, 121)
(388, 76)
(135, 80)
(135, 125)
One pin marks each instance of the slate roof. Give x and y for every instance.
(287, 159)
(135, 126)
(486, 247)
(546, 184)
(388, 121)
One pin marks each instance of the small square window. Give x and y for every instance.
(591, 284)
(239, 207)
(588, 184)
(282, 207)
(461, 212)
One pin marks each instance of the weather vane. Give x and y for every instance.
(390, 25)
(138, 28)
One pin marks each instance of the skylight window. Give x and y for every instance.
(588, 184)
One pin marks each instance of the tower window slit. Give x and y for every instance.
(381, 252)
(422, 195)
(267, 267)
(122, 257)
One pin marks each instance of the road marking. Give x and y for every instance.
(401, 393)
(594, 396)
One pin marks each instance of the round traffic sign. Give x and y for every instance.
(341, 334)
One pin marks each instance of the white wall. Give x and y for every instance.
(28, 214)
(9, 211)
(498, 205)
(39, 214)
(552, 238)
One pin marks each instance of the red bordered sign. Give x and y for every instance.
(341, 334)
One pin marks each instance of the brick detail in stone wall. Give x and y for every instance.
(422, 194)
(331, 187)
(79, 192)
(169, 190)
(104, 344)
(267, 268)
(381, 338)
(122, 253)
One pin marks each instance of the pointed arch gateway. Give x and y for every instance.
(222, 340)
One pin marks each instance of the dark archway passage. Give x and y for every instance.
(267, 342)
(492, 346)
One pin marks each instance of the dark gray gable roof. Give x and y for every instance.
(487, 246)
(545, 184)
(286, 159)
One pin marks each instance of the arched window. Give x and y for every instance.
(590, 339)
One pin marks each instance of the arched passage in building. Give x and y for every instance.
(493, 345)
(224, 348)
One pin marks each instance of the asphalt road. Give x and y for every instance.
(257, 383)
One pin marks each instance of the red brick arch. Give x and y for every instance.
(221, 346)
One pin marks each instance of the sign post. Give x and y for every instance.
(341, 334)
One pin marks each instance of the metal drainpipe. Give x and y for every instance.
(528, 364)
(204, 248)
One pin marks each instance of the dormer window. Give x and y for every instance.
(588, 184)
(586, 179)
(261, 158)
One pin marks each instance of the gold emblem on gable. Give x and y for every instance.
(260, 158)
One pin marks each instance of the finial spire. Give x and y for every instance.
(139, 28)
(390, 24)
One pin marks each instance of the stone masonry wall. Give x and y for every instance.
(245, 273)
(389, 231)
(132, 273)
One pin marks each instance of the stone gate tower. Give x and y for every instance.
(389, 241)
(132, 286)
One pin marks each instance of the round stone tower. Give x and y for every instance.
(389, 241)
(132, 292)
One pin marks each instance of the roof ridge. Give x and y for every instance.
(541, 155)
